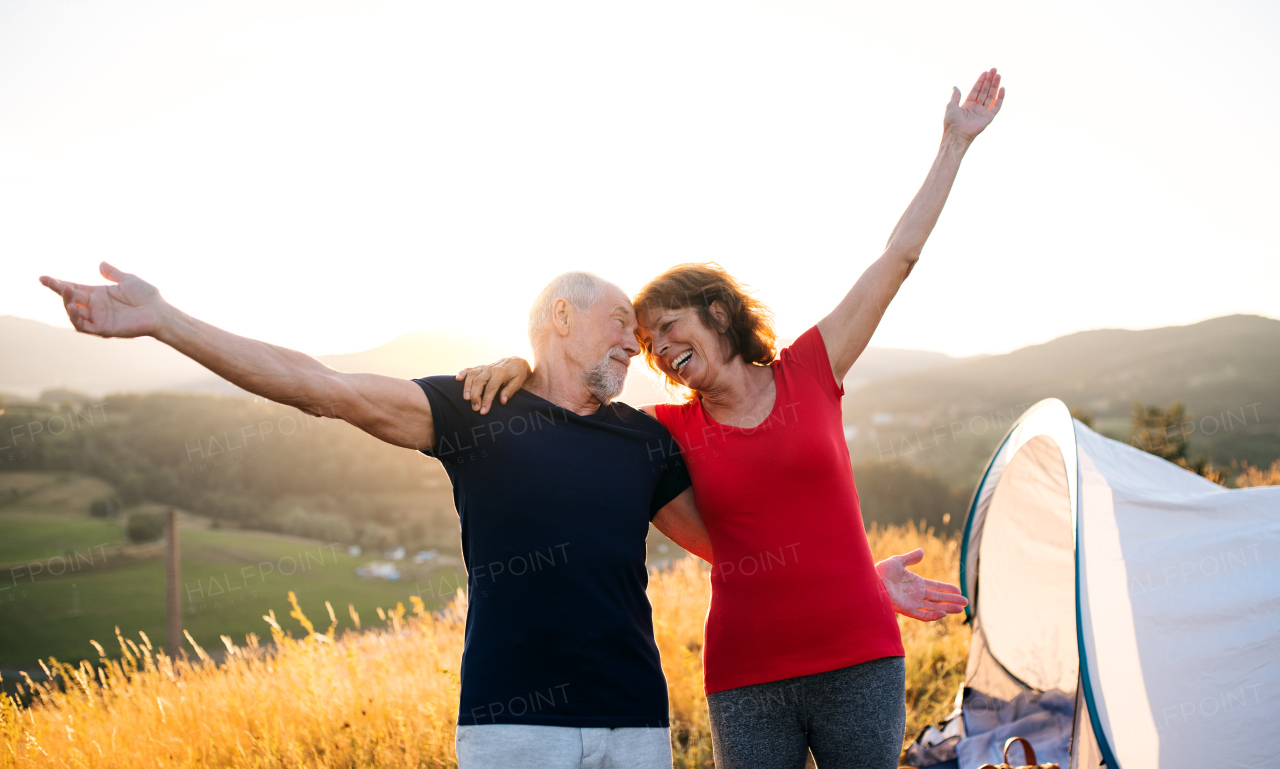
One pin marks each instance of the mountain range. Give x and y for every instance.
(1225, 371)
(1217, 364)
(35, 358)
(1218, 367)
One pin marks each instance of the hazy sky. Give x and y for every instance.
(329, 175)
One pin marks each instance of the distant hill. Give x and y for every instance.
(418, 354)
(1216, 364)
(878, 363)
(1215, 367)
(35, 357)
(1229, 364)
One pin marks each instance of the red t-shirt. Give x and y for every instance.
(794, 590)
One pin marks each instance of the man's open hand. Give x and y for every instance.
(132, 307)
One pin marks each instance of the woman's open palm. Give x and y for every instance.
(913, 595)
(129, 308)
(979, 109)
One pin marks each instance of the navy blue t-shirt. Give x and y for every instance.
(555, 509)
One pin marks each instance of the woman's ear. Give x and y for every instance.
(720, 315)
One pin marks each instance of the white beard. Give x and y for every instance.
(603, 380)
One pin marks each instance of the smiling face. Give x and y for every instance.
(601, 343)
(681, 345)
(696, 321)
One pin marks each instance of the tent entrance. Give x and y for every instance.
(1026, 608)
(1023, 669)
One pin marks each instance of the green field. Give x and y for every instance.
(53, 603)
(22, 538)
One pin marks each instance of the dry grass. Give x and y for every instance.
(936, 651)
(1255, 476)
(384, 697)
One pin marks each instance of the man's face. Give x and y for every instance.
(604, 342)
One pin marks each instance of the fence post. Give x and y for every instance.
(174, 600)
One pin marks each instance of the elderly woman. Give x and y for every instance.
(802, 652)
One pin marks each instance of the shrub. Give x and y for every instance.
(145, 527)
(105, 507)
(323, 526)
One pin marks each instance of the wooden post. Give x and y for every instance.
(174, 598)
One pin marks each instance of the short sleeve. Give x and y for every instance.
(674, 477)
(809, 352)
(451, 415)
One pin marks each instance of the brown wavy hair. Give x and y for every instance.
(749, 331)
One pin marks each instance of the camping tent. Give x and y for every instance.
(1124, 610)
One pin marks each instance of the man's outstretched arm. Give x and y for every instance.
(393, 410)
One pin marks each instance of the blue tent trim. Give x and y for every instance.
(1108, 755)
(968, 526)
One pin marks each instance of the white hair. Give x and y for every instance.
(580, 289)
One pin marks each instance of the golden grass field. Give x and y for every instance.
(385, 696)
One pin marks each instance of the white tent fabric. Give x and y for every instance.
(1149, 594)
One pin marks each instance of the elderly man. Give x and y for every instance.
(559, 667)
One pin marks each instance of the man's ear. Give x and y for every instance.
(561, 313)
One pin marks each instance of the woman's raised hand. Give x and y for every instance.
(913, 595)
(484, 383)
(978, 110)
(132, 307)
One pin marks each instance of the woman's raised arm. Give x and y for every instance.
(848, 329)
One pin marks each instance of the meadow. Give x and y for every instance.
(66, 577)
(345, 688)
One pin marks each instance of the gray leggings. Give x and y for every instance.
(851, 717)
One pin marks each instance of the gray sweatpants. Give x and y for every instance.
(851, 717)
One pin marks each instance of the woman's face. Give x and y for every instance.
(683, 348)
